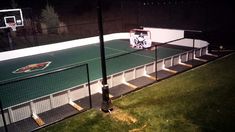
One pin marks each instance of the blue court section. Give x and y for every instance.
(12, 94)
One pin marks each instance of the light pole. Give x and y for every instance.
(9, 37)
(106, 105)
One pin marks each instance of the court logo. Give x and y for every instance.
(33, 67)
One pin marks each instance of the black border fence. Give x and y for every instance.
(77, 100)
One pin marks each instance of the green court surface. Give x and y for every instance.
(22, 91)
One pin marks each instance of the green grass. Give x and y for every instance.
(198, 100)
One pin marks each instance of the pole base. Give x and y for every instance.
(106, 105)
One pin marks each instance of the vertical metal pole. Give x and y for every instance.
(156, 61)
(193, 44)
(88, 83)
(3, 117)
(106, 105)
(33, 26)
(194, 54)
(9, 39)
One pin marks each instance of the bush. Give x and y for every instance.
(50, 18)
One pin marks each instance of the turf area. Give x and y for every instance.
(198, 100)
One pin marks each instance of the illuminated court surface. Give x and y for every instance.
(89, 54)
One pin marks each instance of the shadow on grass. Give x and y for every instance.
(198, 100)
(204, 102)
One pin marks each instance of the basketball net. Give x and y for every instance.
(11, 25)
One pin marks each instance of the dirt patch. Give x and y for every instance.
(120, 115)
(138, 129)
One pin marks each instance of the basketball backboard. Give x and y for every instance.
(11, 18)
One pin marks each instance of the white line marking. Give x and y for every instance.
(130, 53)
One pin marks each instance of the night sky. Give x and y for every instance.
(216, 16)
(61, 6)
(41, 3)
(223, 9)
(87, 4)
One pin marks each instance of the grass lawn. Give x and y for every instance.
(202, 99)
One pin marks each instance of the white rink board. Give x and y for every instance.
(164, 35)
(59, 46)
(157, 35)
(189, 43)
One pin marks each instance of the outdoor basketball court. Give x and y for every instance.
(74, 56)
(48, 83)
(52, 82)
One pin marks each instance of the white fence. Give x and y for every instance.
(162, 35)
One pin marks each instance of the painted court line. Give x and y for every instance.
(130, 53)
(85, 61)
(81, 62)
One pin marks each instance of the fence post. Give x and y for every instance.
(106, 105)
(156, 62)
(194, 53)
(3, 117)
(88, 83)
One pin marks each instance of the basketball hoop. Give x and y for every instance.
(11, 18)
(12, 26)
